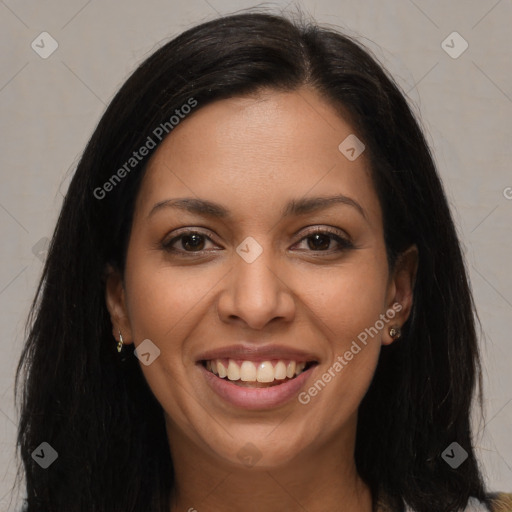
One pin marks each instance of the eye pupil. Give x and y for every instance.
(194, 245)
(315, 237)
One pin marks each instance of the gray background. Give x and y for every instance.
(49, 108)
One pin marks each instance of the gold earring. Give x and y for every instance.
(120, 343)
(395, 332)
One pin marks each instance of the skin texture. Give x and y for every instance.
(252, 155)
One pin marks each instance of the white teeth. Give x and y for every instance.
(249, 371)
(290, 369)
(265, 372)
(233, 370)
(221, 369)
(280, 371)
(299, 368)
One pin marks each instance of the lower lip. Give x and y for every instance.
(256, 398)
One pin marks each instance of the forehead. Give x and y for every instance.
(258, 150)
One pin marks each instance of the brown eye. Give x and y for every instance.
(320, 240)
(191, 241)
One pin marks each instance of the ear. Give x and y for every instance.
(116, 305)
(401, 290)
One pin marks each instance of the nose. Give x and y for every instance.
(255, 293)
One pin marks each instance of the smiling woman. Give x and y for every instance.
(284, 265)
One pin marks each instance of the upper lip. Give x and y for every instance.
(257, 353)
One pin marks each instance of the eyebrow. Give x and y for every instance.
(295, 207)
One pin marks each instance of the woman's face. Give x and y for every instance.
(255, 291)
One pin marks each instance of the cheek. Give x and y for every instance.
(161, 298)
(163, 306)
(349, 302)
(349, 299)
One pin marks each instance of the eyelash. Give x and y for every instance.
(335, 235)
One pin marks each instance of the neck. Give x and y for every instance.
(317, 479)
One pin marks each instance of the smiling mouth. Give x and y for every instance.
(261, 374)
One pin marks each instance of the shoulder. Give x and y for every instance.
(500, 502)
